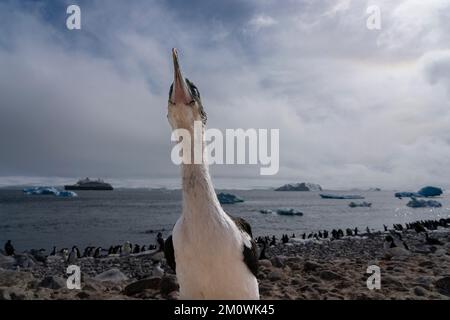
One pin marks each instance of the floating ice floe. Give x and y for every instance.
(289, 212)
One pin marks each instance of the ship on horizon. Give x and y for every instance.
(88, 184)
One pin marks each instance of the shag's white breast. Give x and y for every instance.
(209, 260)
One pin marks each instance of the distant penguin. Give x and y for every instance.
(304, 236)
(9, 249)
(273, 242)
(64, 254)
(97, 253)
(157, 270)
(385, 227)
(72, 256)
(262, 254)
(77, 251)
(160, 241)
(393, 249)
(137, 248)
(367, 230)
(53, 253)
(143, 249)
(418, 227)
(126, 248)
(86, 252)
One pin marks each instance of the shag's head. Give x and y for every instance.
(185, 106)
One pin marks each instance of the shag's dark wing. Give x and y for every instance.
(250, 254)
(169, 253)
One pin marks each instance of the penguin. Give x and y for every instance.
(9, 249)
(97, 253)
(126, 248)
(262, 254)
(72, 258)
(157, 270)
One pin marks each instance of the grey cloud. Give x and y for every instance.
(353, 109)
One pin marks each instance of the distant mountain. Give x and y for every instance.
(304, 186)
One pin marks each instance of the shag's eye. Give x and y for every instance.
(193, 88)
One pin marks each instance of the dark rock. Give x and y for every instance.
(420, 291)
(275, 275)
(310, 266)
(141, 285)
(14, 294)
(83, 295)
(53, 282)
(304, 186)
(278, 261)
(443, 285)
(329, 275)
(168, 284)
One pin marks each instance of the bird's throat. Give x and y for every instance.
(199, 196)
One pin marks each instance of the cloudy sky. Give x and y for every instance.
(355, 107)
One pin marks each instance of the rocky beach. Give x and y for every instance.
(298, 269)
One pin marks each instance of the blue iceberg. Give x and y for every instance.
(430, 191)
(49, 191)
(228, 198)
(407, 195)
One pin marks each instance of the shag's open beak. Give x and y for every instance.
(180, 92)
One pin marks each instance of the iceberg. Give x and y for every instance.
(361, 204)
(49, 191)
(407, 194)
(430, 191)
(41, 191)
(304, 186)
(289, 212)
(414, 203)
(66, 194)
(228, 198)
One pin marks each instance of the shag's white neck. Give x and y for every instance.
(199, 197)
